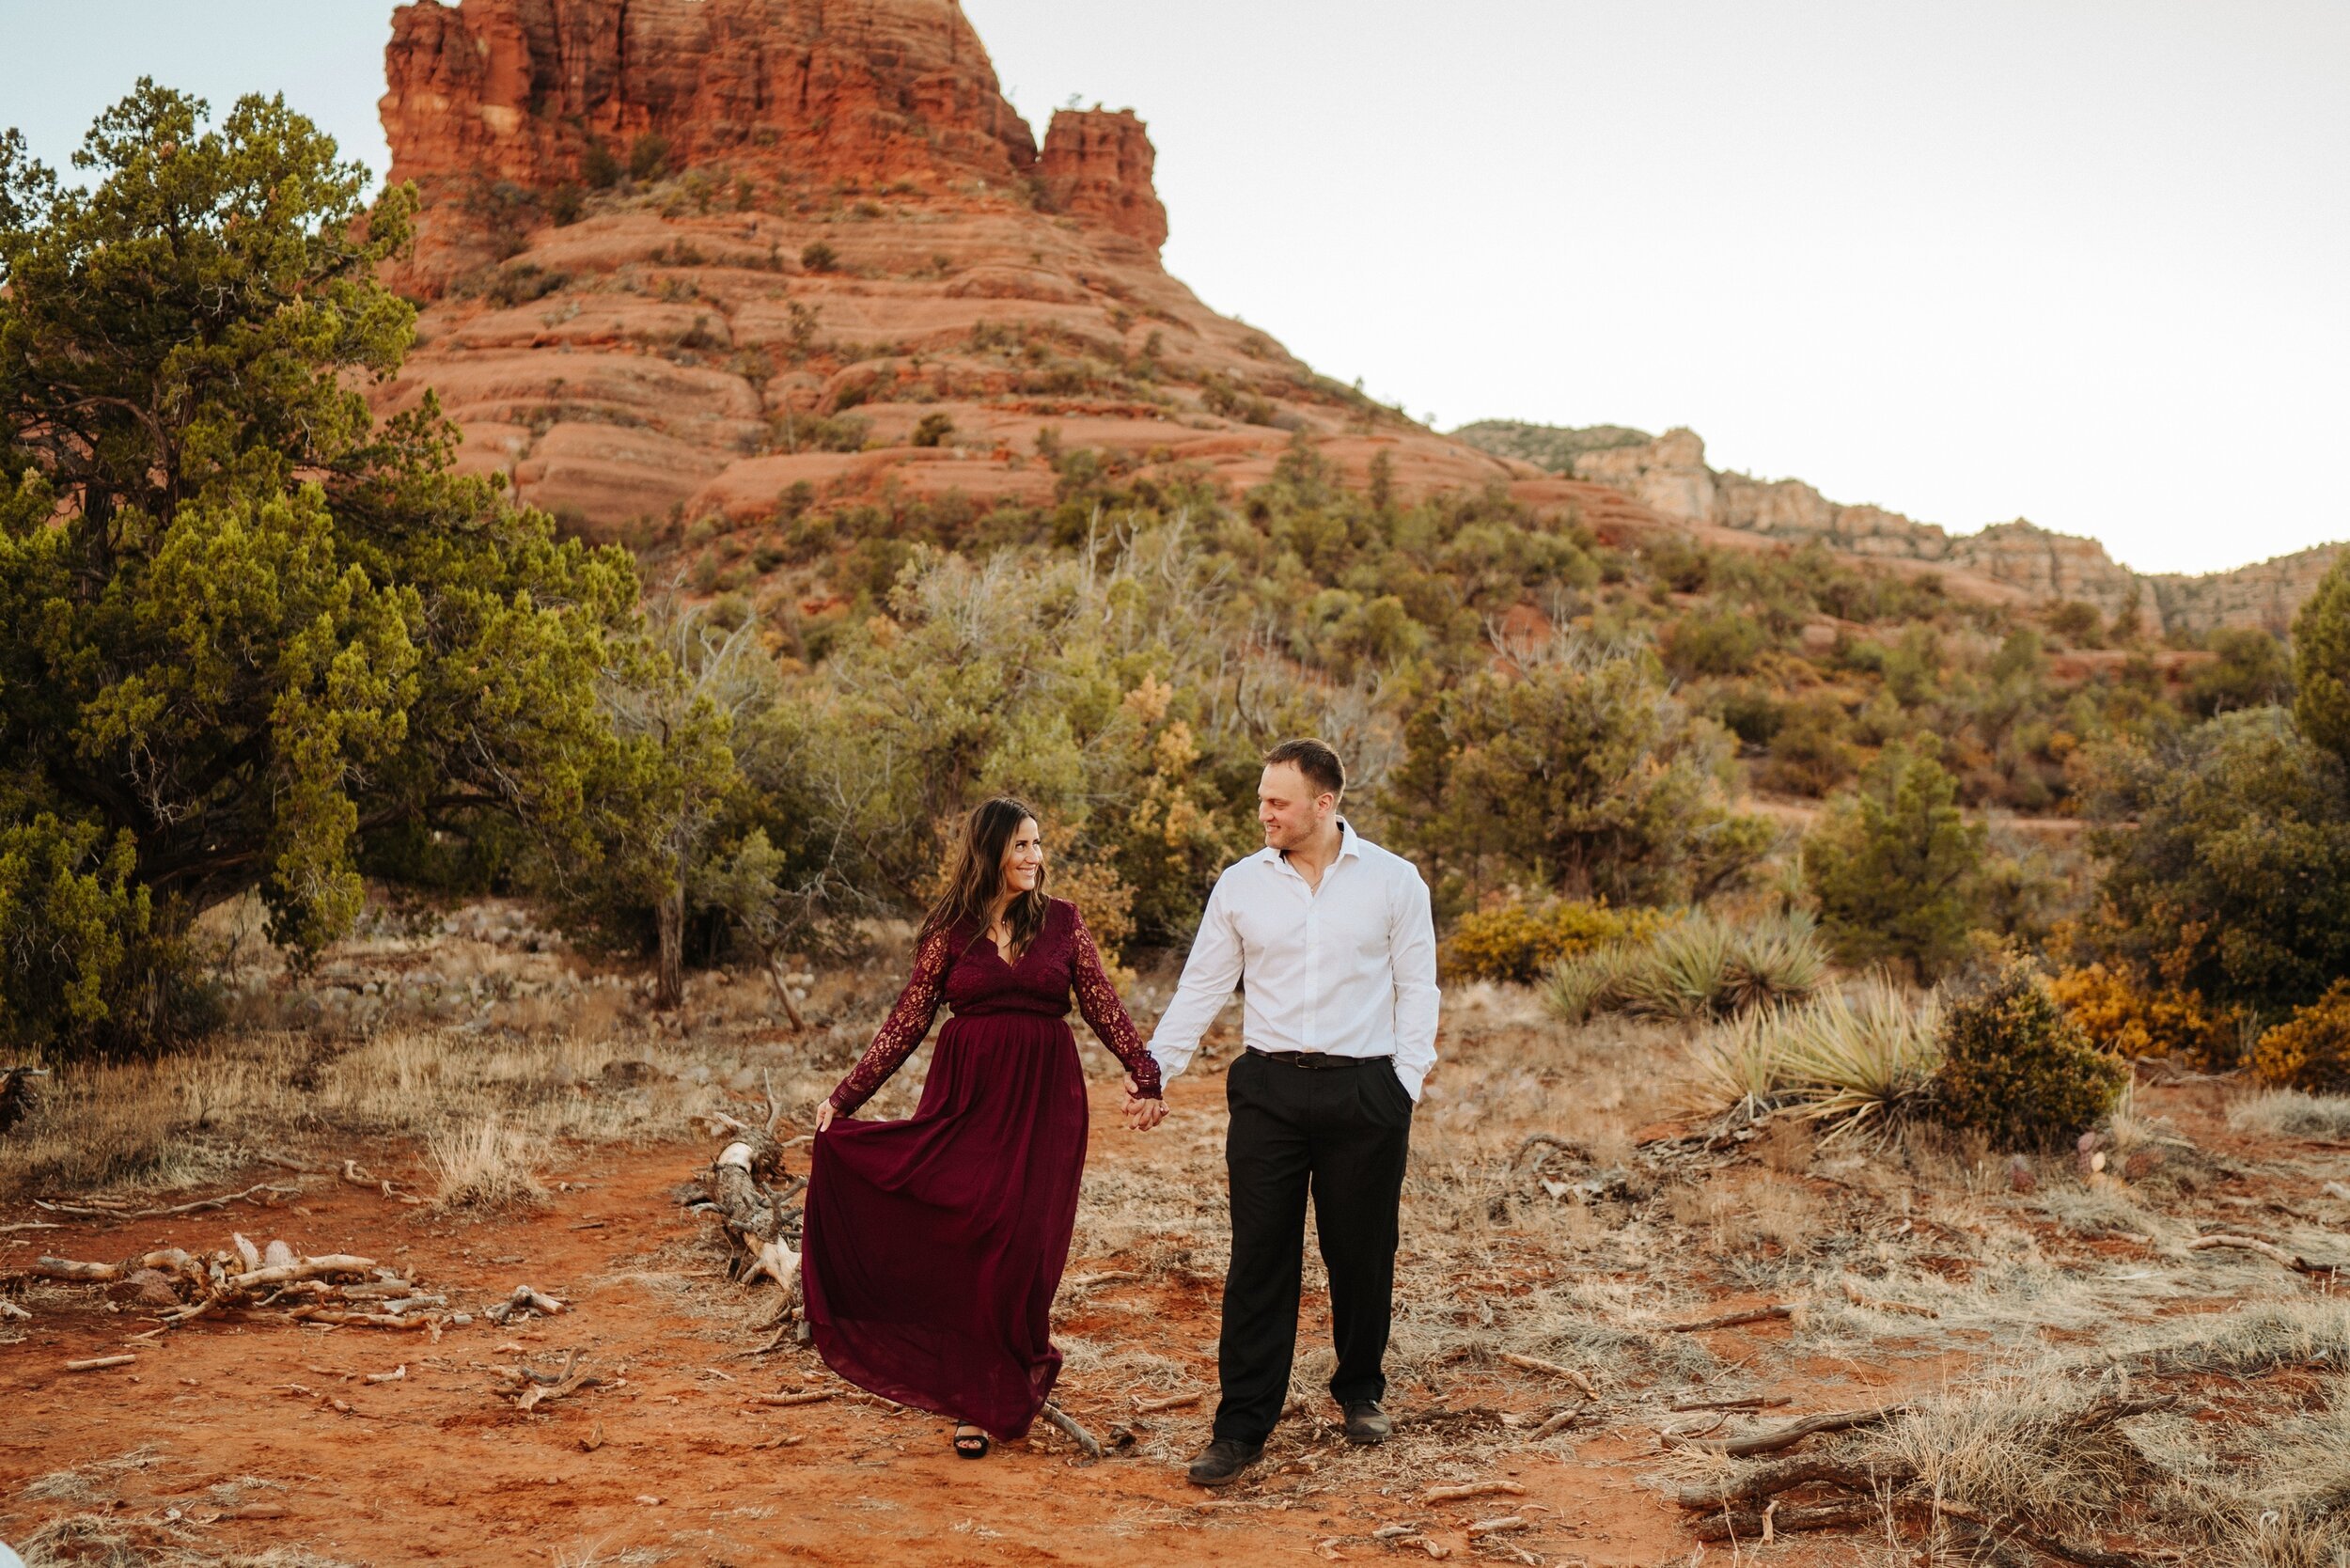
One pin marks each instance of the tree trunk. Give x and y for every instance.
(669, 985)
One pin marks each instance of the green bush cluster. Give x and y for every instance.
(2017, 1069)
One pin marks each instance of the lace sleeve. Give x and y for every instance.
(1097, 999)
(907, 1023)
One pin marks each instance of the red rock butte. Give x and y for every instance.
(682, 258)
(851, 267)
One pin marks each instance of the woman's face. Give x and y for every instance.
(1024, 858)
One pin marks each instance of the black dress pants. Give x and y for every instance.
(1340, 1134)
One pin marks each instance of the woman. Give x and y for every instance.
(934, 1246)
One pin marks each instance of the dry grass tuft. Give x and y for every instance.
(484, 1165)
(1856, 1060)
(2290, 1113)
(2008, 1446)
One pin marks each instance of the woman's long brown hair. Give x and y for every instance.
(975, 876)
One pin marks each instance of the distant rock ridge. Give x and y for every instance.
(1669, 474)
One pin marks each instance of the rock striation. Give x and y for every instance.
(701, 264)
(1669, 474)
(1100, 164)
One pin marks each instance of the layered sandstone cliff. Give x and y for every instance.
(839, 260)
(1669, 474)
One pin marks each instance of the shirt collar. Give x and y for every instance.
(1349, 845)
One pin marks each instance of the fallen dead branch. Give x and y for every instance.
(1733, 1320)
(524, 1299)
(814, 1396)
(1789, 1436)
(574, 1376)
(98, 1363)
(1087, 1443)
(103, 1211)
(242, 1277)
(1552, 1369)
(2273, 1253)
(1467, 1489)
(1160, 1406)
(1557, 1424)
(1753, 1402)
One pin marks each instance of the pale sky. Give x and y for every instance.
(2082, 262)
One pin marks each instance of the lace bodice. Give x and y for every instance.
(962, 968)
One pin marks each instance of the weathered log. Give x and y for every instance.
(1789, 1436)
(343, 1317)
(98, 1363)
(1768, 1481)
(1747, 1526)
(306, 1268)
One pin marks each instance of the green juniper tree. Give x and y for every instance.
(1895, 866)
(243, 626)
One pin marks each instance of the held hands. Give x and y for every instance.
(1141, 1114)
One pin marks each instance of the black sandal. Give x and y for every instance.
(972, 1445)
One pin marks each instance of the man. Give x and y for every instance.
(1331, 937)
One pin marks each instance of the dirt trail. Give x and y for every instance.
(245, 1418)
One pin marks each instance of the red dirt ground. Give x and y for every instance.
(676, 1460)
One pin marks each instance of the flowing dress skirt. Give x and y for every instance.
(934, 1246)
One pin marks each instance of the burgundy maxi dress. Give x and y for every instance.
(933, 1247)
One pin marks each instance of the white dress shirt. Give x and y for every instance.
(1348, 968)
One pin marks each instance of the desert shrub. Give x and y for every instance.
(1749, 712)
(599, 167)
(821, 432)
(2251, 672)
(1715, 641)
(2311, 1050)
(2321, 661)
(1702, 966)
(565, 204)
(1810, 753)
(1577, 770)
(649, 159)
(2133, 1020)
(1519, 942)
(1863, 1060)
(1895, 866)
(818, 257)
(523, 284)
(932, 430)
(2016, 1069)
(2227, 860)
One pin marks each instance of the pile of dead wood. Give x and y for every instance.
(244, 1278)
(1825, 1492)
(745, 1189)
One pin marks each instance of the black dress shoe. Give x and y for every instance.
(1221, 1462)
(1366, 1422)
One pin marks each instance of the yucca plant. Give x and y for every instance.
(1778, 960)
(1860, 1059)
(1590, 983)
(1743, 1061)
(1686, 970)
(1865, 1058)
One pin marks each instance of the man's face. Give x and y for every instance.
(1289, 809)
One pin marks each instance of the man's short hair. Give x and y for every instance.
(1317, 761)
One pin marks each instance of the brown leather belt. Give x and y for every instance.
(1314, 1061)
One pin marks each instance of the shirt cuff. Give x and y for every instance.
(1411, 1078)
